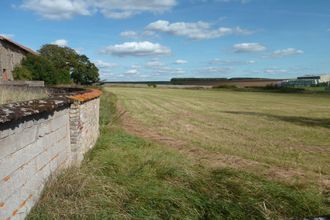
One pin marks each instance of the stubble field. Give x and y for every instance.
(285, 137)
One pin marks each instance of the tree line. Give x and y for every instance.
(57, 65)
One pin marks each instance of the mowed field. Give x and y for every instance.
(198, 154)
(283, 137)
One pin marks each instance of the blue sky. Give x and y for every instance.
(161, 39)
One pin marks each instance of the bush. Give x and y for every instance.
(225, 87)
(36, 68)
(22, 73)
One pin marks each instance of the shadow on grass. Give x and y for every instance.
(298, 120)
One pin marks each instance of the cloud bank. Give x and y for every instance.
(116, 9)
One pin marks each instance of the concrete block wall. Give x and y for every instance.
(37, 146)
(30, 151)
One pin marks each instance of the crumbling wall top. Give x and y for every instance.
(59, 97)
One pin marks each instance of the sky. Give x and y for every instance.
(139, 40)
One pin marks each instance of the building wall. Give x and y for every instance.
(324, 78)
(38, 146)
(10, 56)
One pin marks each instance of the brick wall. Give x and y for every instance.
(35, 147)
(84, 120)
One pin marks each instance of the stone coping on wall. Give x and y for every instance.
(60, 97)
(86, 96)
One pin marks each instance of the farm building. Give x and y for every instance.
(11, 54)
(311, 80)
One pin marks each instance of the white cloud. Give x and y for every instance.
(328, 30)
(79, 50)
(224, 1)
(66, 9)
(231, 62)
(275, 71)
(104, 65)
(58, 9)
(154, 64)
(132, 72)
(148, 33)
(9, 36)
(251, 62)
(167, 70)
(126, 8)
(214, 70)
(135, 66)
(181, 62)
(129, 34)
(287, 52)
(144, 48)
(248, 47)
(61, 43)
(195, 30)
(240, 1)
(134, 34)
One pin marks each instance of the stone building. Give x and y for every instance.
(11, 54)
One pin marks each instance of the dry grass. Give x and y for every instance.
(9, 94)
(284, 137)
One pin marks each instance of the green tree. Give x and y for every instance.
(70, 65)
(84, 71)
(57, 65)
(63, 59)
(36, 68)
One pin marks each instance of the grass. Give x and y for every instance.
(127, 177)
(9, 94)
(282, 136)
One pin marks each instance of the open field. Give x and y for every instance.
(129, 177)
(10, 94)
(282, 136)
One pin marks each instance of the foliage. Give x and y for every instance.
(126, 177)
(36, 68)
(57, 65)
(71, 64)
(153, 85)
(225, 86)
(22, 73)
(187, 81)
(84, 72)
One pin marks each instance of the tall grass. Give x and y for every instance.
(126, 177)
(9, 94)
